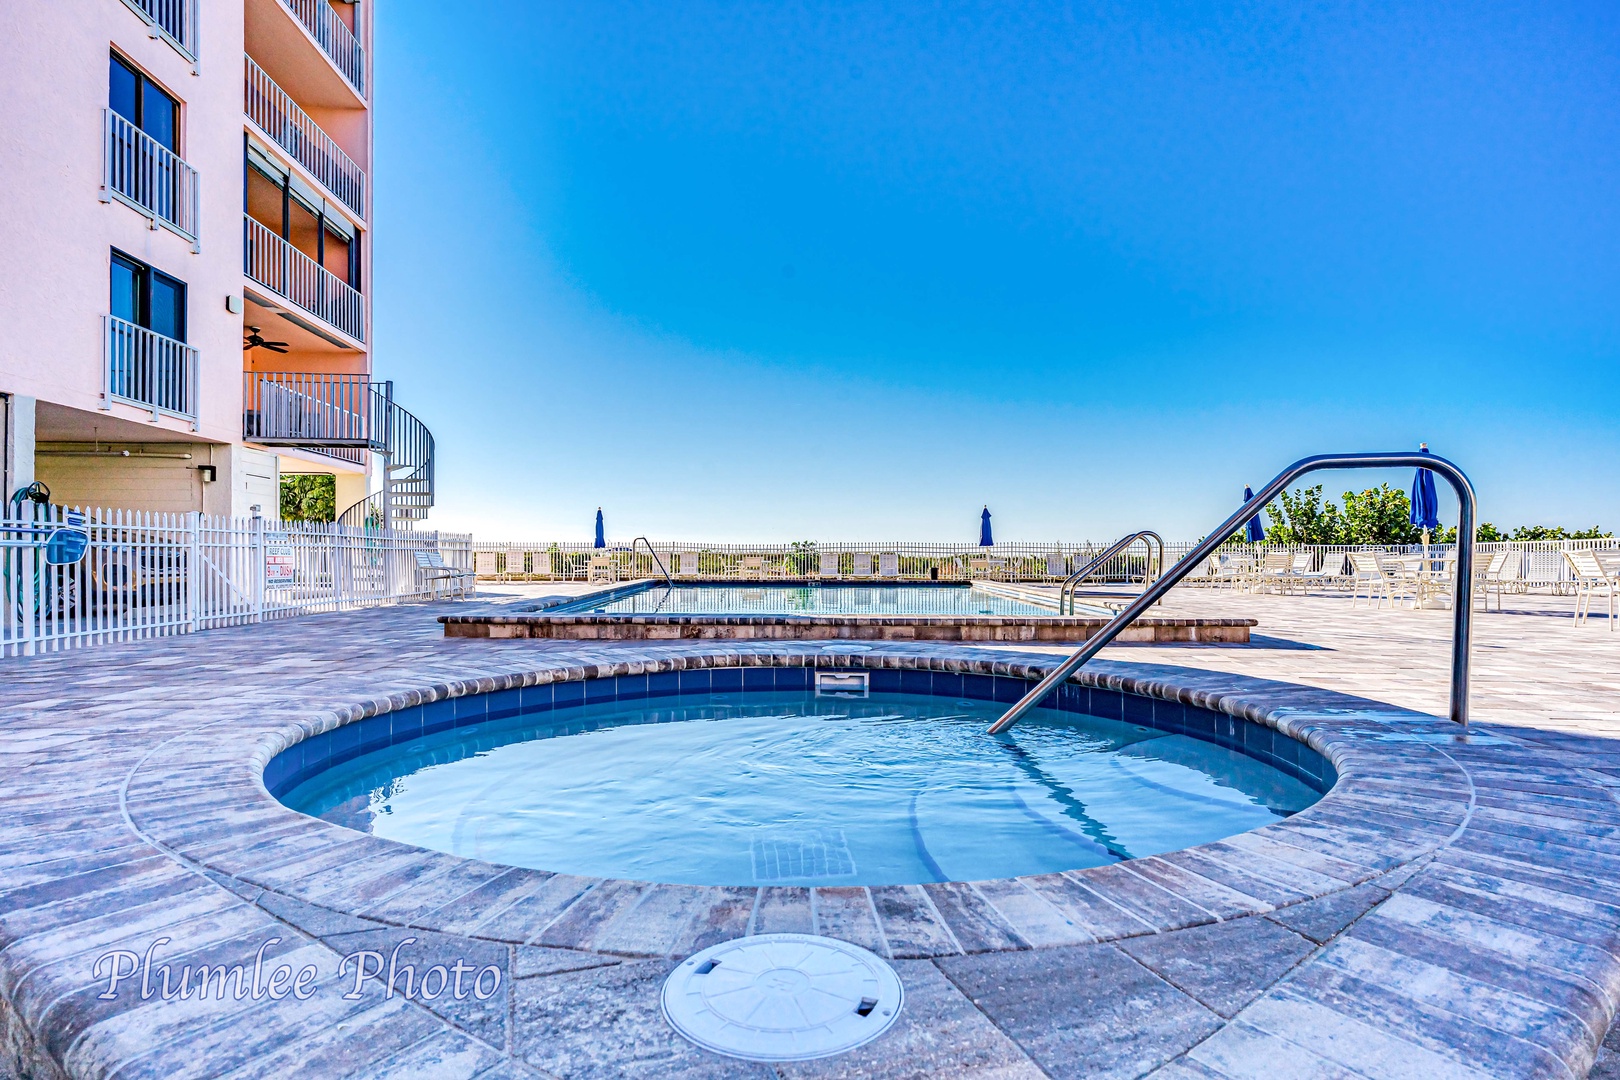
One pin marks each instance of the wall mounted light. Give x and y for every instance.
(208, 473)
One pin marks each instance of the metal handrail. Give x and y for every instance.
(1462, 602)
(669, 582)
(1071, 584)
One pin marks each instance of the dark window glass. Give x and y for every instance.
(124, 86)
(159, 116)
(139, 100)
(147, 297)
(168, 307)
(126, 289)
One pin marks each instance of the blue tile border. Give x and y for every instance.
(309, 757)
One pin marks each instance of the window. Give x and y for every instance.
(148, 297)
(293, 211)
(138, 100)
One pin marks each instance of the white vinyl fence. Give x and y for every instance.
(1543, 564)
(149, 574)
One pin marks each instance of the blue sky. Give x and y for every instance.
(798, 270)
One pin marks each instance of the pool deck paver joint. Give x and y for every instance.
(1446, 911)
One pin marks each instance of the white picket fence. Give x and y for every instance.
(150, 574)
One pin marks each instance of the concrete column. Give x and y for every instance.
(18, 452)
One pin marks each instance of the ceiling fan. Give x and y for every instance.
(254, 341)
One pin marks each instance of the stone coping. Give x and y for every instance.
(997, 628)
(1452, 894)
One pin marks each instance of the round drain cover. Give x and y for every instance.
(782, 997)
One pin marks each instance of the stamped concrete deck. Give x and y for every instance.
(1447, 911)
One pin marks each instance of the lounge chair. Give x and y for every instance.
(889, 564)
(602, 568)
(1367, 576)
(456, 579)
(540, 564)
(514, 566)
(484, 564)
(1057, 565)
(829, 565)
(1275, 572)
(1591, 578)
(1499, 575)
(686, 564)
(1331, 572)
(863, 564)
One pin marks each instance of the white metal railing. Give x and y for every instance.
(282, 268)
(1543, 565)
(175, 21)
(294, 408)
(334, 38)
(290, 128)
(150, 575)
(144, 368)
(144, 174)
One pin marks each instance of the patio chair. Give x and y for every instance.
(514, 566)
(540, 564)
(829, 565)
(1368, 576)
(1057, 566)
(1591, 578)
(1230, 570)
(686, 564)
(435, 572)
(863, 564)
(1275, 572)
(484, 564)
(601, 568)
(1331, 573)
(889, 564)
(1499, 575)
(751, 568)
(1300, 569)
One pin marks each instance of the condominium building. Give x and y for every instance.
(185, 258)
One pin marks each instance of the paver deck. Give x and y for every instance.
(1448, 910)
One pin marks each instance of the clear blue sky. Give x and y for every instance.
(798, 270)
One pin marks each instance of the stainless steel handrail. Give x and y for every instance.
(1462, 600)
(1071, 584)
(669, 582)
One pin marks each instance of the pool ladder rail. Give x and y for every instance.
(1153, 568)
(1462, 600)
(669, 582)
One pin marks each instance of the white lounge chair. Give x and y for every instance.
(602, 568)
(1275, 572)
(686, 564)
(484, 564)
(1331, 573)
(829, 564)
(1367, 576)
(1591, 578)
(1499, 575)
(863, 564)
(540, 564)
(1057, 566)
(435, 572)
(514, 571)
(889, 564)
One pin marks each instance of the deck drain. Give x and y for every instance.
(782, 997)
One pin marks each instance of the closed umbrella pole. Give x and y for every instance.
(1425, 505)
(1255, 531)
(985, 538)
(601, 537)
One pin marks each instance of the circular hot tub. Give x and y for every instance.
(773, 776)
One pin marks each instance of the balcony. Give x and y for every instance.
(289, 273)
(290, 128)
(142, 173)
(148, 370)
(175, 21)
(314, 410)
(334, 39)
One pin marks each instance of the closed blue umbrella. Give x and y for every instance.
(985, 539)
(1425, 504)
(601, 538)
(1255, 531)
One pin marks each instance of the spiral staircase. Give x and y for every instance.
(345, 416)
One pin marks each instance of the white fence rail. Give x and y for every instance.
(144, 368)
(149, 575)
(1542, 562)
(283, 269)
(144, 174)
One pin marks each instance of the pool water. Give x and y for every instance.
(790, 788)
(757, 599)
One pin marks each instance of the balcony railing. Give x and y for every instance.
(146, 369)
(334, 38)
(279, 117)
(288, 272)
(173, 20)
(143, 173)
(314, 410)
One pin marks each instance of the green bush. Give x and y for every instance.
(308, 497)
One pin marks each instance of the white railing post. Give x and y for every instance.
(194, 571)
(256, 564)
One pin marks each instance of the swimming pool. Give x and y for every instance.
(784, 786)
(802, 599)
